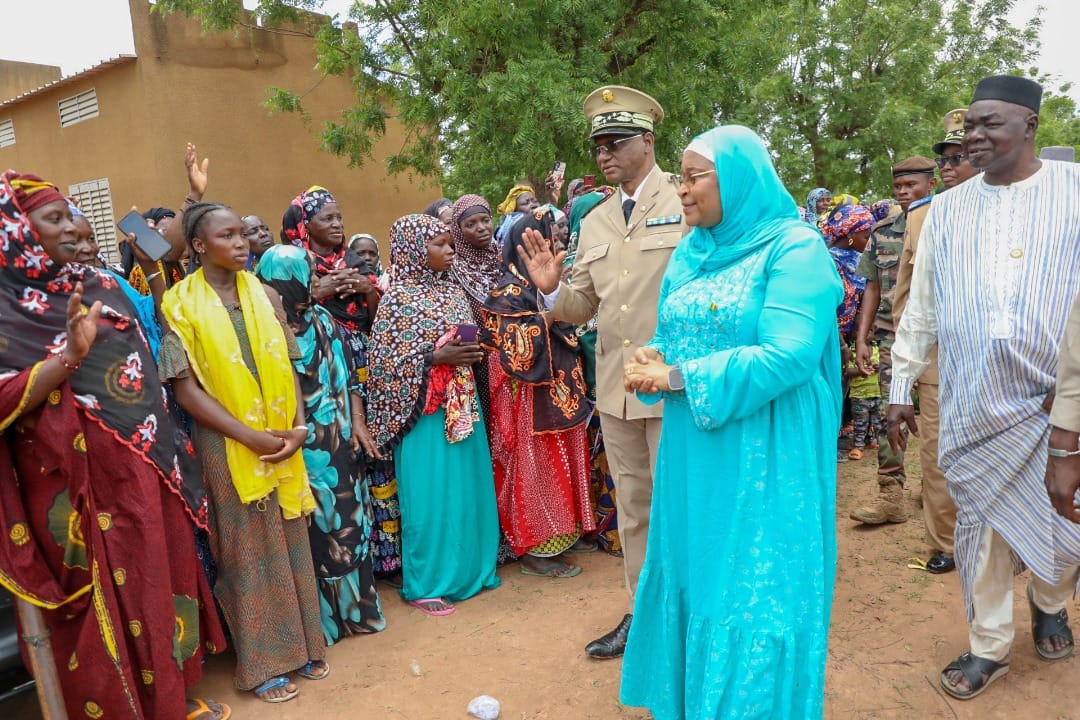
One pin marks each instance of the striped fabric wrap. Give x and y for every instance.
(994, 278)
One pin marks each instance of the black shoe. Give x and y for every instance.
(940, 564)
(610, 645)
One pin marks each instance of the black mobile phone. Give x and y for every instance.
(147, 238)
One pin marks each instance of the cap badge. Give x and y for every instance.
(608, 96)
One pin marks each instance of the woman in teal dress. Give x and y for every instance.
(423, 407)
(732, 612)
(340, 531)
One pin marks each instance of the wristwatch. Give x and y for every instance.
(675, 381)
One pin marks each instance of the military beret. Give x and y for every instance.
(1011, 89)
(619, 110)
(913, 166)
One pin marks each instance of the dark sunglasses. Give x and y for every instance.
(953, 160)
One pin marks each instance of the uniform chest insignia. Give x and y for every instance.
(664, 220)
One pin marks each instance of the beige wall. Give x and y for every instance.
(19, 77)
(210, 91)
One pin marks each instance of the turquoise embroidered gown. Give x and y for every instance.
(732, 612)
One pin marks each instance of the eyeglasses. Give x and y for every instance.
(953, 160)
(612, 147)
(689, 180)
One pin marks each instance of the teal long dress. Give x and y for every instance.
(731, 613)
(439, 484)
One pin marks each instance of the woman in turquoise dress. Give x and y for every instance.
(731, 618)
(423, 407)
(340, 530)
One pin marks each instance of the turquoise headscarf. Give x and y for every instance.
(757, 208)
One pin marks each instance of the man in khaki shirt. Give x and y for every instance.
(939, 511)
(1063, 466)
(622, 254)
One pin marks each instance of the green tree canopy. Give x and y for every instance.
(491, 91)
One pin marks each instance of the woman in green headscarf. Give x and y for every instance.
(732, 611)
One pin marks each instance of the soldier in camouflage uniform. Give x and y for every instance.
(913, 181)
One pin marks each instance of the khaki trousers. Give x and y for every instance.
(631, 453)
(939, 511)
(991, 632)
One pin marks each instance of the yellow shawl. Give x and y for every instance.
(202, 323)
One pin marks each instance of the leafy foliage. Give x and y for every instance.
(491, 91)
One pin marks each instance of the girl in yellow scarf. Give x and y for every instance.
(228, 357)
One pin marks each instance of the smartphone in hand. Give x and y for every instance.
(147, 238)
(558, 172)
(467, 333)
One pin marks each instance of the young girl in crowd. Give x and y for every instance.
(228, 356)
(340, 530)
(423, 407)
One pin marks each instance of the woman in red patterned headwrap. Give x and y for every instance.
(99, 492)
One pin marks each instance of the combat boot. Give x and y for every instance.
(889, 507)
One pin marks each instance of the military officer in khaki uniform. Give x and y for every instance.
(939, 511)
(624, 247)
(913, 182)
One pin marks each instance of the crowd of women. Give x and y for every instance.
(287, 423)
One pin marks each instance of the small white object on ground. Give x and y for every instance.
(484, 707)
(414, 668)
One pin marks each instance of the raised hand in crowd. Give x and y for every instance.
(544, 265)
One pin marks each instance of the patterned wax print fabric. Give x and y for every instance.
(540, 411)
(340, 531)
(99, 493)
(352, 311)
(731, 617)
(449, 519)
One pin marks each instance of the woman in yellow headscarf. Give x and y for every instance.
(228, 356)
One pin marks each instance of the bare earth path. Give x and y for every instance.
(893, 629)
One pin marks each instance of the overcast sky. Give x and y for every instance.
(76, 34)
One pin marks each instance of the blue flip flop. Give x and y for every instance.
(275, 682)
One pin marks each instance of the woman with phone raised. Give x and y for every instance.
(228, 356)
(423, 408)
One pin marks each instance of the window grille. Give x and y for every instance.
(95, 199)
(79, 107)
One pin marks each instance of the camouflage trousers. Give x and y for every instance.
(867, 421)
(889, 463)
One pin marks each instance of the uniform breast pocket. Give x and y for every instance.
(593, 253)
(887, 257)
(661, 240)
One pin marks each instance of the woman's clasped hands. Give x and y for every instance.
(647, 372)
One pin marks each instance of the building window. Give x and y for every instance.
(95, 199)
(7, 133)
(79, 107)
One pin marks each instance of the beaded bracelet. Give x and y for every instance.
(71, 367)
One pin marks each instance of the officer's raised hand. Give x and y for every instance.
(544, 265)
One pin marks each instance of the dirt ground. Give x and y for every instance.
(893, 629)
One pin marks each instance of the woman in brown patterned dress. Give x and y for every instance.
(228, 357)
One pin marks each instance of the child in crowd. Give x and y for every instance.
(865, 394)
